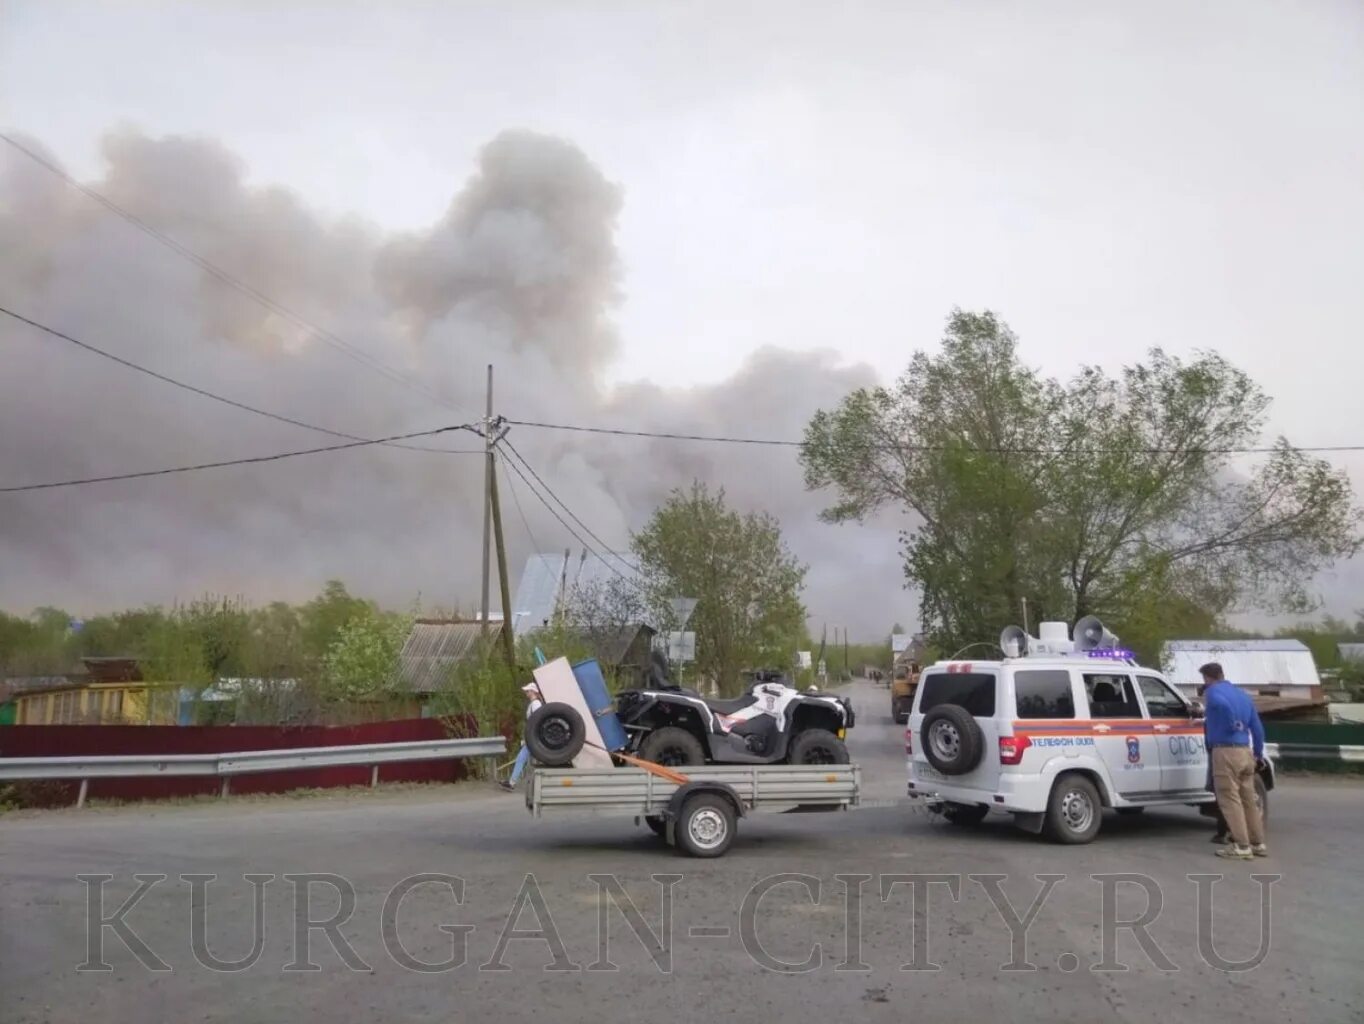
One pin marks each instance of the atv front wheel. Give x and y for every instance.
(673, 747)
(818, 746)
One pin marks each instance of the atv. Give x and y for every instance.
(773, 722)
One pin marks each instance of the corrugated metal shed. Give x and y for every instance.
(435, 646)
(537, 595)
(1252, 663)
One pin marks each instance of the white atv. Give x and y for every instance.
(773, 722)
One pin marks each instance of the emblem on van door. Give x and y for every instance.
(1133, 750)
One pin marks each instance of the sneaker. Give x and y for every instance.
(1233, 852)
(1260, 850)
(506, 785)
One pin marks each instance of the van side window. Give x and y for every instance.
(974, 691)
(1111, 696)
(1044, 693)
(1161, 701)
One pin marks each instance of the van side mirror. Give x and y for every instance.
(1196, 709)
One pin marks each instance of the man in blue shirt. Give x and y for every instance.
(1236, 745)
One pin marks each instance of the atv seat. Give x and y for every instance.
(729, 707)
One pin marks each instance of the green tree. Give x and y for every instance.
(323, 617)
(174, 652)
(1105, 494)
(362, 662)
(747, 584)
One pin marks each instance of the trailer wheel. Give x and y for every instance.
(706, 826)
(555, 734)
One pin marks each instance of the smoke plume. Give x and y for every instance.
(522, 272)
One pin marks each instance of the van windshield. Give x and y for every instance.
(974, 691)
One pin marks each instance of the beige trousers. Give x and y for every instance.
(1233, 778)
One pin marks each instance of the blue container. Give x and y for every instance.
(602, 704)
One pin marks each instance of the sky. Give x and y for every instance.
(781, 196)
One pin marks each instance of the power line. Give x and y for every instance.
(516, 499)
(562, 521)
(786, 443)
(209, 394)
(548, 490)
(233, 462)
(321, 333)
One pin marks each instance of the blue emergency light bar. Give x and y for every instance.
(1113, 654)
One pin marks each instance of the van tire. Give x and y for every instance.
(1074, 810)
(952, 741)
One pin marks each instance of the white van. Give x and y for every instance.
(1055, 736)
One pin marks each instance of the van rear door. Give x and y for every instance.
(974, 689)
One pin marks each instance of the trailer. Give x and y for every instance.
(699, 817)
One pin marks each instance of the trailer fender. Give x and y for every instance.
(682, 793)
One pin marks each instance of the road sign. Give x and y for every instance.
(681, 647)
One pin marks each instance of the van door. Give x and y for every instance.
(1183, 755)
(1122, 733)
(976, 691)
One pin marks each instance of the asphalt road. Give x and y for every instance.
(733, 924)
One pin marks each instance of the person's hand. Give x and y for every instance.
(1261, 764)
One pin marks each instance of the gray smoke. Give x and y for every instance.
(522, 272)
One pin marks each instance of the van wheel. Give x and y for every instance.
(1074, 810)
(964, 814)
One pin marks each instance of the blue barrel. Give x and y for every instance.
(602, 704)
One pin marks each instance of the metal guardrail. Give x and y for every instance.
(245, 762)
(1315, 752)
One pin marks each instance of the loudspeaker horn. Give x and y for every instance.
(1092, 635)
(1014, 641)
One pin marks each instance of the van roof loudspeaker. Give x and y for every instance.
(1052, 638)
(1014, 641)
(1092, 635)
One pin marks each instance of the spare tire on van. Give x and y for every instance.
(952, 741)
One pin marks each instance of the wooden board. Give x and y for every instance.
(558, 686)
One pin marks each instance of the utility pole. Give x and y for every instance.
(487, 501)
(561, 604)
(508, 642)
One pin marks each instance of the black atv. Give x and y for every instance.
(773, 722)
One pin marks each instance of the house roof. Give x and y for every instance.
(113, 670)
(1270, 707)
(614, 647)
(434, 646)
(1350, 652)
(537, 595)
(1219, 646)
(1274, 662)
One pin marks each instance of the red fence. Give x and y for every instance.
(88, 740)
